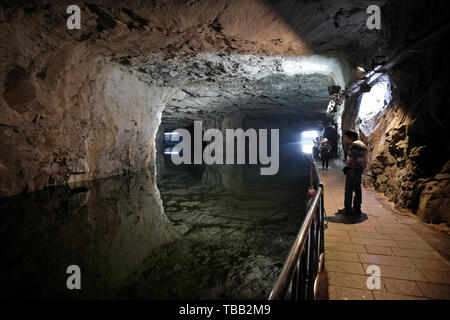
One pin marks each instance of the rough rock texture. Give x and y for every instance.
(60, 120)
(218, 86)
(82, 134)
(67, 114)
(223, 90)
(407, 150)
(409, 139)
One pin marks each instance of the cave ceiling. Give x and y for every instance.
(225, 56)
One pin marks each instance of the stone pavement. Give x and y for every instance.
(410, 267)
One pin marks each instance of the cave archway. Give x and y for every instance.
(83, 114)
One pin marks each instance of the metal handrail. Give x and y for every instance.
(305, 259)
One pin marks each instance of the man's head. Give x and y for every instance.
(351, 135)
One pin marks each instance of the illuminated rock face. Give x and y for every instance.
(84, 104)
(106, 127)
(408, 138)
(409, 154)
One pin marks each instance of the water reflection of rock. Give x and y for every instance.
(233, 244)
(208, 243)
(107, 227)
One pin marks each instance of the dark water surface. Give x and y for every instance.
(206, 244)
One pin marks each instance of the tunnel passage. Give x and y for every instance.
(83, 111)
(228, 225)
(249, 219)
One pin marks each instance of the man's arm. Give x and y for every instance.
(353, 163)
(352, 160)
(357, 157)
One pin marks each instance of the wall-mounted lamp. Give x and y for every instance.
(361, 69)
(337, 96)
(334, 90)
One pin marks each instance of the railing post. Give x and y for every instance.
(303, 271)
(302, 266)
(296, 283)
(308, 266)
(322, 222)
(313, 256)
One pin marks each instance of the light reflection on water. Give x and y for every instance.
(207, 244)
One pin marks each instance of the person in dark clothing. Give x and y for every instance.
(353, 172)
(325, 154)
(316, 142)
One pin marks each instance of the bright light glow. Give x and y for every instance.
(306, 141)
(167, 134)
(361, 69)
(170, 152)
(259, 67)
(307, 148)
(374, 101)
(309, 134)
(171, 137)
(314, 64)
(331, 106)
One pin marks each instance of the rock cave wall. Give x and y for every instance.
(80, 127)
(409, 139)
(84, 104)
(65, 116)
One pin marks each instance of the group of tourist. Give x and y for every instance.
(322, 150)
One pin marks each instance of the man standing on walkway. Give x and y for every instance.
(353, 171)
(325, 153)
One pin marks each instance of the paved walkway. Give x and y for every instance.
(410, 267)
